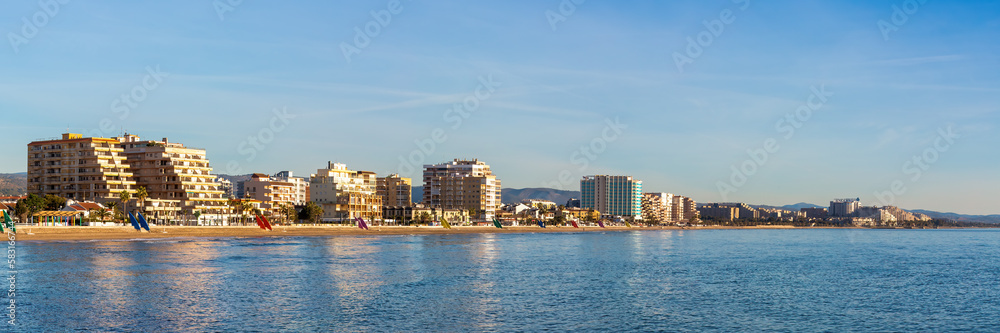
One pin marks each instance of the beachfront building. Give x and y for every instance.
(657, 207)
(612, 195)
(407, 215)
(395, 190)
(719, 213)
(78, 168)
(345, 194)
(300, 186)
(275, 192)
(743, 211)
(667, 208)
(176, 176)
(583, 214)
(814, 213)
(684, 209)
(462, 184)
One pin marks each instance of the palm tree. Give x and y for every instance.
(140, 197)
(424, 218)
(287, 212)
(245, 207)
(124, 196)
(233, 205)
(115, 211)
(100, 214)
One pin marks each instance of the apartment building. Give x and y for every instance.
(345, 194)
(723, 213)
(612, 195)
(743, 211)
(272, 194)
(300, 186)
(667, 208)
(172, 171)
(395, 191)
(78, 168)
(814, 213)
(844, 207)
(658, 207)
(462, 184)
(683, 210)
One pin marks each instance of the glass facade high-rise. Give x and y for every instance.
(612, 195)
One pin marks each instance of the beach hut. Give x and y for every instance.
(58, 218)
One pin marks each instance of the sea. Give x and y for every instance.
(812, 280)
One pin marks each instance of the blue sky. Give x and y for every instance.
(557, 89)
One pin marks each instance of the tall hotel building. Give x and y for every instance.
(171, 171)
(844, 207)
(612, 195)
(78, 168)
(345, 194)
(462, 184)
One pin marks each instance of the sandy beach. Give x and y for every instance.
(29, 233)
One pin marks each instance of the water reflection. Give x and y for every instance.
(487, 305)
(613, 281)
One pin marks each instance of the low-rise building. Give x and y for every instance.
(814, 213)
(582, 214)
(722, 213)
(412, 214)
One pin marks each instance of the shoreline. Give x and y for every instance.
(46, 233)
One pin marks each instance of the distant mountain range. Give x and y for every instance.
(13, 184)
(514, 195)
(959, 217)
(235, 179)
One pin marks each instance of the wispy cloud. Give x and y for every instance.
(920, 60)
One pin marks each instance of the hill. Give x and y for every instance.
(235, 179)
(959, 217)
(512, 195)
(13, 184)
(560, 197)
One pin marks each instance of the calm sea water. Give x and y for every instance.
(713, 280)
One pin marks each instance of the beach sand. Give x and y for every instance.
(34, 233)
